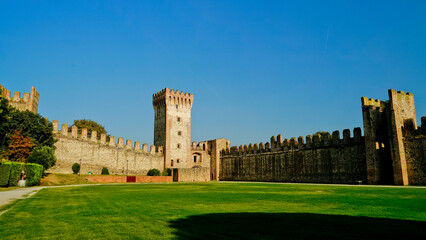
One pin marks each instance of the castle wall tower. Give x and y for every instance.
(377, 145)
(384, 143)
(172, 126)
(29, 102)
(401, 113)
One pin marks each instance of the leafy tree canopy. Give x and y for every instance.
(19, 147)
(30, 125)
(44, 156)
(90, 125)
(27, 123)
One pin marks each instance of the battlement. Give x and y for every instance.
(370, 102)
(102, 139)
(172, 97)
(410, 130)
(201, 146)
(29, 101)
(400, 93)
(277, 144)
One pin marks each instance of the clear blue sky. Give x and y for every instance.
(256, 68)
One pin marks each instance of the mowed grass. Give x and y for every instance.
(218, 211)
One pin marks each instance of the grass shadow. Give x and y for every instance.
(294, 226)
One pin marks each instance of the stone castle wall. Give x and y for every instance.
(415, 153)
(326, 159)
(95, 153)
(28, 102)
(198, 174)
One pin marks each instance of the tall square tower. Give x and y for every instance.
(172, 126)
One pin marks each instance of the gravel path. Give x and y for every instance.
(7, 197)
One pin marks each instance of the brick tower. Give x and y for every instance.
(172, 126)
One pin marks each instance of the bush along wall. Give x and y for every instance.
(15, 173)
(4, 174)
(33, 173)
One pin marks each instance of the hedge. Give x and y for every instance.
(33, 172)
(4, 174)
(15, 173)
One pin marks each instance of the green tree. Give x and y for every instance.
(30, 125)
(4, 119)
(90, 125)
(44, 156)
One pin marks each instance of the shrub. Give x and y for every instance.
(105, 171)
(15, 173)
(33, 172)
(76, 168)
(44, 156)
(4, 174)
(153, 172)
(167, 172)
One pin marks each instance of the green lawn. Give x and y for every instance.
(218, 211)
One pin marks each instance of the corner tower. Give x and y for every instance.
(172, 126)
(28, 103)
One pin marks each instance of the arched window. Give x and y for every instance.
(179, 133)
(171, 163)
(197, 157)
(177, 161)
(178, 119)
(178, 145)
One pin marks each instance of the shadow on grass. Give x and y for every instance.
(294, 226)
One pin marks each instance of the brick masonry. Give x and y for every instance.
(123, 179)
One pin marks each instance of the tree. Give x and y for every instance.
(90, 125)
(19, 147)
(4, 119)
(30, 125)
(44, 156)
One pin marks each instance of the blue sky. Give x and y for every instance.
(256, 68)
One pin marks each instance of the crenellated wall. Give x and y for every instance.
(28, 102)
(316, 159)
(95, 152)
(415, 152)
